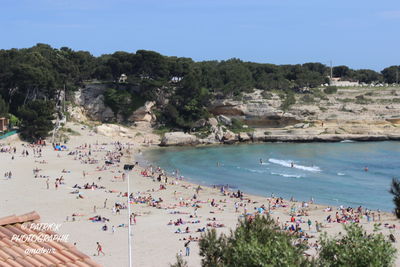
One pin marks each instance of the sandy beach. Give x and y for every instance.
(155, 203)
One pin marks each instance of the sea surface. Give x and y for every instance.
(330, 173)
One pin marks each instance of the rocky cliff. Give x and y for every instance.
(355, 114)
(90, 105)
(361, 114)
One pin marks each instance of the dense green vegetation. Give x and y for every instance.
(356, 248)
(36, 119)
(395, 191)
(41, 72)
(260, 242)
(255, 242)
(122, 101)
(3, 107)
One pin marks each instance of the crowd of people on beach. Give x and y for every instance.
(188, 200)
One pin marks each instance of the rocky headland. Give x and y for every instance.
(359, 114)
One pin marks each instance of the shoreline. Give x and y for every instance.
(316, 208)
(143, 160)
(254, 138)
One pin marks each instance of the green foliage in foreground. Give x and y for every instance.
(180, 262)
(356, 249)
(259, 242)
(36, 119)
(254, 243)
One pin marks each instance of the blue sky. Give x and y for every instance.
(357, 33)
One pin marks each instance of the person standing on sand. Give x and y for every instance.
(47, 183)
(105, 203)
(309, 224)
(187, 248)
(99, 249)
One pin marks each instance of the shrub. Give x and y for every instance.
(330, 90)
(357, 249)
(308, 99)
(289, 100)
(256, 242)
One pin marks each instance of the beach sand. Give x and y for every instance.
(154, 242)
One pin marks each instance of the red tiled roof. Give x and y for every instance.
(12, 252)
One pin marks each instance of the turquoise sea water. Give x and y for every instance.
(331, 173)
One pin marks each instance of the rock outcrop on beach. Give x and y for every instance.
(144, 113)
(179, 139)
(113, 130)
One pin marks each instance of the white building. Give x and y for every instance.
(123, 78)
(339, 82)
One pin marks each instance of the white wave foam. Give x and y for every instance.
(341, 173)
(251, 170)
(347, 141)
(288, 163)
(287, 175)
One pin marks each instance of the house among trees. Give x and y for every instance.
(3, 124)
(123, 78)
(338, 82)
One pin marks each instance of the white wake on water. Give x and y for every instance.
(287, 175)
(288, 163)
(251, 170)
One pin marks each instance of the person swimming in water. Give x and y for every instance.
(292, 165)
(366, 168)
(261, 161)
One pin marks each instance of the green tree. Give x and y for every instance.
(289, 100)
(356, 248)
(188, 103)
(257, 242)
(391, 74)
(122, 102)
(3, 107)
(367, 76)
(395, 191)
(36, 119)
(342, 71)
